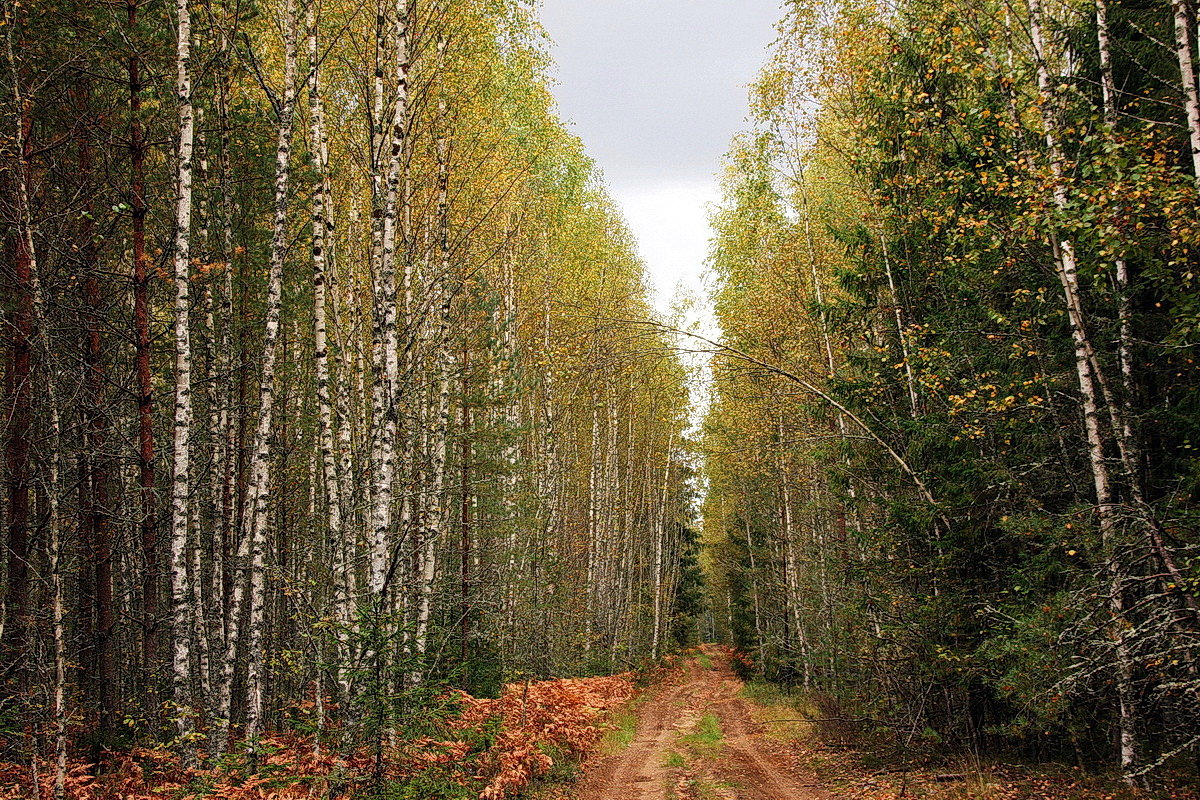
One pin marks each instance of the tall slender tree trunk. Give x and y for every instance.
(910, 382)
(17, 449)
(1185, 54)
(261, 482)
(54, 551)
(226, 464)
(207, 535)
(827, 338)
(54, 548)
(659, 535)
(502, 371)
(148, 526)
(39, 332)
(321, 237)
(593, 528)
(181, 669)
(1131, 451)
(386, 390)
(759, 639)
(791, 568)
(1108, 91)
(1085, 363)
(466, 456)
(95, 461)
(206, 518)
(1108, 86)
(434, 518)
(434, 513)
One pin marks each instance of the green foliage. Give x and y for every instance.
(425, 785)
(689, 603)
(922, 524)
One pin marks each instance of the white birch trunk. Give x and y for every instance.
(434, 514)
(58, 703)
(203, 609)
(434, 511)
(387, 383)
(1085, 362)
(504, 322)
(321, 237)
(204, 522)
(226, 449)
(228, 612)
(910, 381)
(261, 472)
(1184, 54)
(659, 533)
(181, 473)
(58, 610)
(1108, 91)
(792, 574)
(758, 633)
(593, 515)
(249, 583)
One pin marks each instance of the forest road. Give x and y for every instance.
(677, 752)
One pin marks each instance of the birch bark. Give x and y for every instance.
(1184, 54)
(791, 569)
(226, 460)
(1124, 408)
(759, 640)
(659, 533)
(1067, 270)
(434, 515)
(181, 616)
(261, 471)
(321, 236)
(387, 381)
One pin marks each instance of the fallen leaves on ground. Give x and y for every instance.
(522, 732)
(562, 714)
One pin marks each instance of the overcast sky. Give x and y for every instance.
(656, 89)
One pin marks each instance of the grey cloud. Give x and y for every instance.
(656, 88)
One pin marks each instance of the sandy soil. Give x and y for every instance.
(744, 765)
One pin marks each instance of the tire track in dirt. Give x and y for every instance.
(638, 773)
(746, 767)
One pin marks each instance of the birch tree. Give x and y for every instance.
(181, 612)
(260, 492)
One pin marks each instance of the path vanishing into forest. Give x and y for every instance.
(696, 739)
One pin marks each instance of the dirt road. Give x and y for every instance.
(696, 739)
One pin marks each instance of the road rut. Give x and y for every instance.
(745, 765)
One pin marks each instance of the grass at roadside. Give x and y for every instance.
(785, 717)
(621, 735)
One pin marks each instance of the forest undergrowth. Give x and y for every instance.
(860, 759)
(487, 748)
